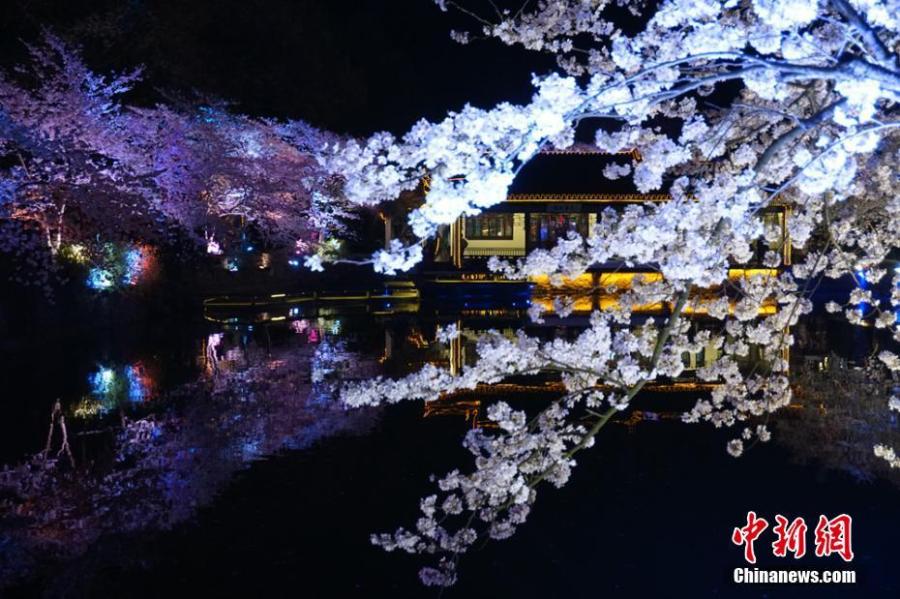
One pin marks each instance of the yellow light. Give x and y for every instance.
(625, 280)
(620, 280)
(276, 295)
(746, 273)
(585, 280)
(88, 408)
(766, 309)
(75, 252)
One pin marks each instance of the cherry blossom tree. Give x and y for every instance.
(735, 106)
(213, 164)
(70, 163)
(79, 160)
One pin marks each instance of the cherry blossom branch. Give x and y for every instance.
(802, 126)
(870, 38)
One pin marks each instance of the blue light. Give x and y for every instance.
(101, 381)
(135, 385)
(99, 278)
(208, 114)
(132, 266)
(250, 449)
(294, 263)
(863, 308)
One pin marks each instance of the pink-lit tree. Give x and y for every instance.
(72, 167)
(79, 162)
(209, 164)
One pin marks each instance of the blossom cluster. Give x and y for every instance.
(735, 108)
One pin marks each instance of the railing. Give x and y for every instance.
(488, 252)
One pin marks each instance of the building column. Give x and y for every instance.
(785, 237)
(387, 231)
(456, 247)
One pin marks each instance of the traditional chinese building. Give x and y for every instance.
(554, 193)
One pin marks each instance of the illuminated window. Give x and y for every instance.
(489, 226)
(545, 229)
(771, 221)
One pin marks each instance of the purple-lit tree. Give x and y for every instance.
(72, 167)
(79, 162)
(210, 164)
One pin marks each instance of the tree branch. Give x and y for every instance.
(869, 37)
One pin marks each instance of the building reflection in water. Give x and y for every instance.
(263, 385)
(405, 340)
(461, 352)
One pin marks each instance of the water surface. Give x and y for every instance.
(260, 483)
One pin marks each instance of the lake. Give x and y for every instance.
(258, 482)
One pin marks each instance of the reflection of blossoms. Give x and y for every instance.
(499, 494)
(117, 386)
(817, 83)
(332, 364)
(513, 460)
(166, 465)
(842, 416)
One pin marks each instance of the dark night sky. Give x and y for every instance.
(353, 67)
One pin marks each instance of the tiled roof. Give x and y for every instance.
(575, 171)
